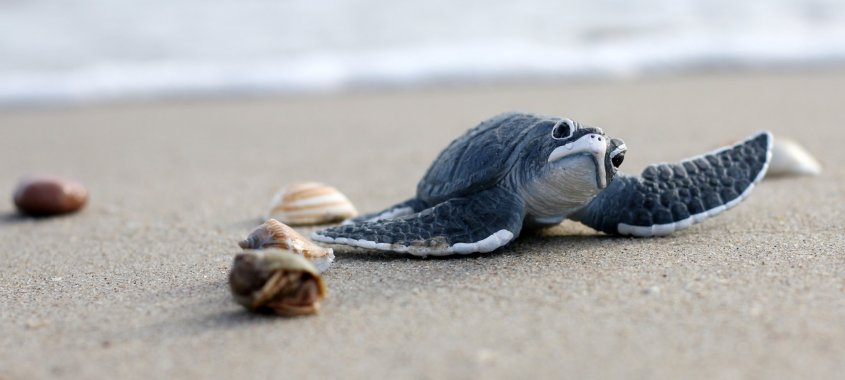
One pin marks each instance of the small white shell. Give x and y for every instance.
(789, 158)
(310, 203)
(274, 234)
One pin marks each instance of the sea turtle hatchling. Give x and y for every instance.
(518, 171)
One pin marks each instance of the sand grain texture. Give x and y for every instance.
(135, 285)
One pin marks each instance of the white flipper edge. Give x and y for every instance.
(488, 244)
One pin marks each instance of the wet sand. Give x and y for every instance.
(135, 286)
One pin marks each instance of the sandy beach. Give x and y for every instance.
(135, 285)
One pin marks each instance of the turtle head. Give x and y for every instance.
(566, 165)
(569, 143)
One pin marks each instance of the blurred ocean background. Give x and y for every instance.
(68, 51)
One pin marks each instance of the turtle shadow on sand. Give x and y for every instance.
(343, 253)
(564, 243)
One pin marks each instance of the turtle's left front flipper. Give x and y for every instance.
(671, 197)
(481, 222)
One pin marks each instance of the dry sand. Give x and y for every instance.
(135, 286)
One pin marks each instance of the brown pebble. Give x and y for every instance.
(49, 195)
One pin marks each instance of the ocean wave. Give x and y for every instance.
(91, 66)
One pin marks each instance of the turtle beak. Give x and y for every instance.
(593, 144)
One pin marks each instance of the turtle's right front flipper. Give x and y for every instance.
(481, 222)
(671, 197)
(411, 206)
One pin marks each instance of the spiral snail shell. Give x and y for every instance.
(276, 281)
(275, 234)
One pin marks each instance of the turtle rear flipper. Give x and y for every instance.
(481, 222)
(411, 206)
(670, 197)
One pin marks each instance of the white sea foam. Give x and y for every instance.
(106, 49)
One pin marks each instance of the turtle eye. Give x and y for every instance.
(617, 159)
(617, 155)
(563, 129)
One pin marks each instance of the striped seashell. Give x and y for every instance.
(275, 234)
(310, 203)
